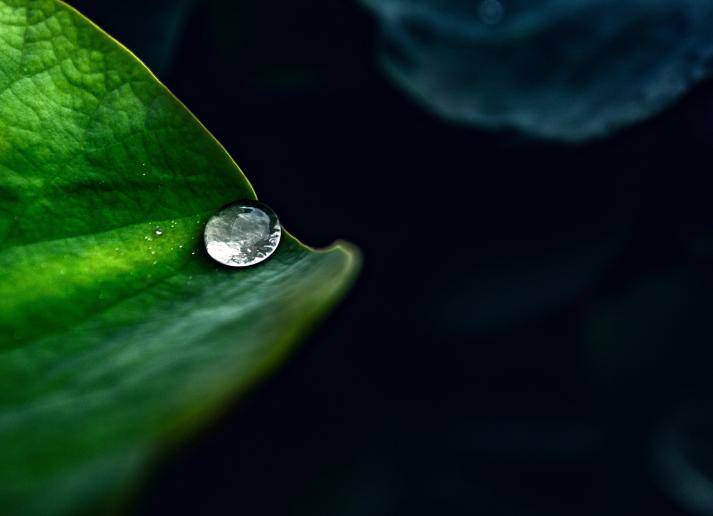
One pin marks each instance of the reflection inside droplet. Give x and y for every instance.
(242, 234)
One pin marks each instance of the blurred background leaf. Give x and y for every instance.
(559, 69)
(682, 455)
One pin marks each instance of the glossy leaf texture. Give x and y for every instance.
(649, 350)
(118, 335)
(556, 69)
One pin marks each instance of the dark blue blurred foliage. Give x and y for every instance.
(568, 70)
(531, 333)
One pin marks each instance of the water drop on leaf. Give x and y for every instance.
(242, 234)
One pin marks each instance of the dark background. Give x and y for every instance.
(530, 332)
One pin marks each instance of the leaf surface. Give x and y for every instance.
(116, 341)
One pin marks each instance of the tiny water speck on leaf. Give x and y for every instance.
(242, 234)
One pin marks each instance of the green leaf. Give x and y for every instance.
(116, 342)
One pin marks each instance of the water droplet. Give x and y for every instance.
(158, 231)
(491, 12)
(193, 253)
(242, 234)
(147, 237)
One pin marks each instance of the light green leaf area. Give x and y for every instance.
(116, 342)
